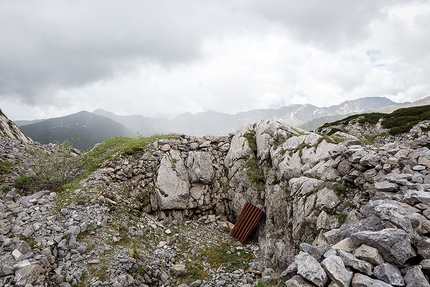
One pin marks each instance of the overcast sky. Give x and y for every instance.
(164, 58)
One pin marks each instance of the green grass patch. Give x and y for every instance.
(255, 173)
(334, 139)
(219, 254)
(30, 241)
(252, 142)
(399, 121)
(341, 218)
(118, 146)
(338, 187)
(82, 280)
(5, 166)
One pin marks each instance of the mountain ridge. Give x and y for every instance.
(205, 123)
(82, 129)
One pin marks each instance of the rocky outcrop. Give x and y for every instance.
(337, 212)
(10, 130)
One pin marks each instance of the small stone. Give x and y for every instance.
(16, 254)
(425, 264)
(418, 168)
(21, 264)
(161, 244)
(178, 270)
(385, 186)
(346, 244)
(415, 277)
(389, 274)
(369, 254)
(165, 147)
(82, 249)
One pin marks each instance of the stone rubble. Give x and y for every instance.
(336, 213)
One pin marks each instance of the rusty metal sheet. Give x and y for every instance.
(247, 221)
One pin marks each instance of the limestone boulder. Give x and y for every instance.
(200, 169)
(393, 244)
(351, 261)
(360, 280)
(309, 268)
(336, 271)
(415, 278)
(172, 182)
(389, 274)
(369, 254)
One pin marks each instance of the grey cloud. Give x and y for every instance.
(327, 24)
(79, 42)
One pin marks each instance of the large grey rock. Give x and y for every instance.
(391, 211)
(289, 272)
(315, 251)
(239, 146)
(335, 269)
(415, 278)
(416, 196)
(298, 281)
(200, 167)
(389, 274)
(310, 269)
(372, 223)
(423, 248)
(326, 199)
(360, 280)
(351, 261)
(172, 182)
(393, 244)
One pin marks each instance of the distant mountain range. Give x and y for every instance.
(100, 125)
(82, 129)
(215, 123)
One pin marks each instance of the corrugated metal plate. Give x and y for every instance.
(247, 221)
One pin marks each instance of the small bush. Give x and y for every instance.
(5, 166)
(23, 182)
(55, 169)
